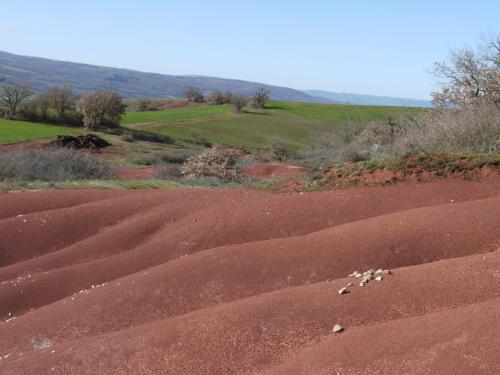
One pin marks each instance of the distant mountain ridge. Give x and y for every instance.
(359, 99)
(42, 74)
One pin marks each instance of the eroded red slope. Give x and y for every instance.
(211, 281)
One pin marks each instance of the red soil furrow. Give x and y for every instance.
(461, 341)
(253, 294)
(136, 173)
(238, 271)
(316, 211)
(35, 234)
(122, 236)
(261, 331)
(13, 204)
(226, 217)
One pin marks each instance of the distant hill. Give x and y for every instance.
(369, 99)
(41, 74)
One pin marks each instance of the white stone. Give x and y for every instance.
(337, 328)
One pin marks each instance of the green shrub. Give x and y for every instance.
(147, 137)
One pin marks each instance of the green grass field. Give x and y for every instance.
(21, 131)
(295, 124)
(339, 114)
(176, 114)
(248, 130)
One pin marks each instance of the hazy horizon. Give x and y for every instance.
(384, 49)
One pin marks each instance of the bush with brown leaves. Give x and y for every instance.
(215, 162)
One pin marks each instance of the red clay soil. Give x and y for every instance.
(275, 170)
(35, 145)
(420, 168)
(169, 105)
(135, 173)
(238, 281)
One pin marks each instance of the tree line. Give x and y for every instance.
(100, 108)
(61, 105)
(257, 100)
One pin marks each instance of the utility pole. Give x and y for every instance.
(348, 112)
(346, 136)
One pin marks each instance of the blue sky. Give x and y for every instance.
(370, 47)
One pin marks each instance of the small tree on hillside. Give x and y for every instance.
(260, 97)
(102, 108)
(228, 97)
(143, 104)
(192, 94)
(62, 99)
(216, 98)
(43, 102)
(12, 96)
(239, 102)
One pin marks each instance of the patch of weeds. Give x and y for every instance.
(197, 139)
(171, 172)
(87, 184)
(152, 137)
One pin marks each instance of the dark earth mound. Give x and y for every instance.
(90, 141)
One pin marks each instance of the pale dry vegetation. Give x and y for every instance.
(57, 164)
(219, 163)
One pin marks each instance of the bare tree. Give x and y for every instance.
(100, 108)
(193, 94)
(143, 104)
(62, 99)
(260, 97)
(43, 102)
(239, 102)
(12, 96)
(228, 97)
(471, 76)
(216, 98)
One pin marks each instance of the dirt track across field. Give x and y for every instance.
(241, 282)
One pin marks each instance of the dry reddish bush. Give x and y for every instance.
(215, 162)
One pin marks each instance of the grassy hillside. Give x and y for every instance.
(176, 114)
(22, 131)
(339, 114)
(295, 124)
